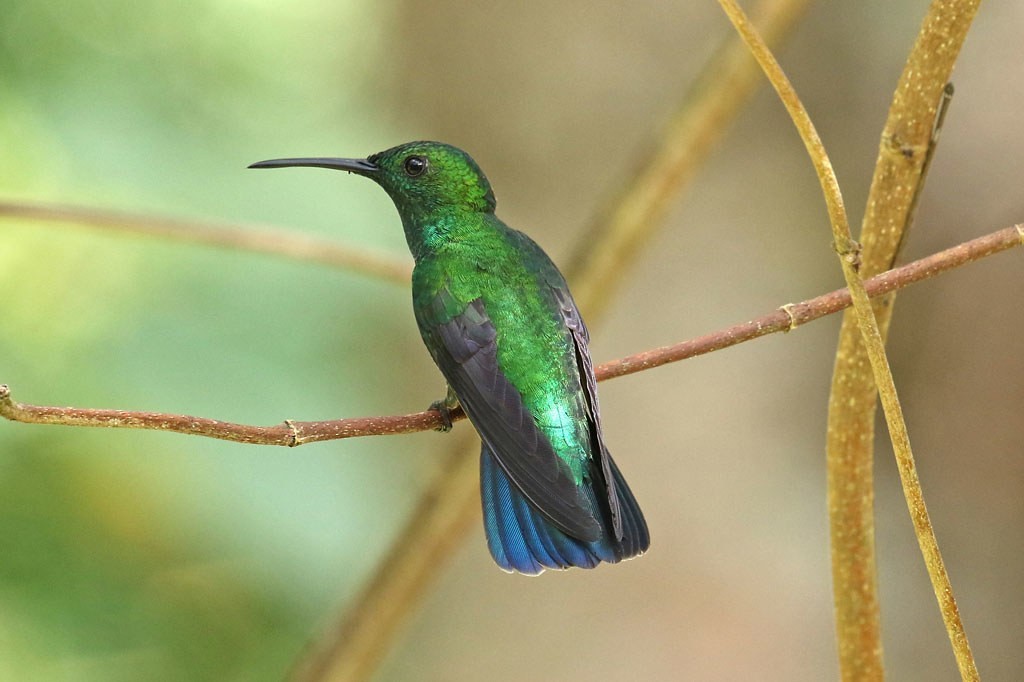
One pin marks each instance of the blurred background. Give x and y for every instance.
(128, 556)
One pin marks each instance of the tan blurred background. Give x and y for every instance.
(150, 556)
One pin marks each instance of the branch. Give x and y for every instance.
(292, 433)
(255, 238)
(792, 315)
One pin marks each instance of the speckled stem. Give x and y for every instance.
(898, 175)
(851, 260)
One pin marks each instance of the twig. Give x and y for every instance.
(850, 260)
(292, 433)
(792, 315)
(255, 238)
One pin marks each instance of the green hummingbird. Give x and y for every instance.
(499, 321)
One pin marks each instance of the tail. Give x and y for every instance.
(522, 540)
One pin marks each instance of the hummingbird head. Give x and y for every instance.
(422, 178)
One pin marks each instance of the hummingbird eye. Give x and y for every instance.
(415, 165)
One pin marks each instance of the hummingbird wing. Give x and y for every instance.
(464, 346)
(611, 492)
(588, 382)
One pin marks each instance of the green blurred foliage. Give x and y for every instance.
(138, 556)
(97, 586)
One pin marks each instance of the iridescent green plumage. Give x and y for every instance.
(500, 323)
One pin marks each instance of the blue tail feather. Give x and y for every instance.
(522, 540)
(504, 538)
(548, 545)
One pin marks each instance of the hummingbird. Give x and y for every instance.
(498, 319)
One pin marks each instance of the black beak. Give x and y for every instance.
(357, 166)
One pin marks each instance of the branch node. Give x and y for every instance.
(294, 438)
(788, 309)
(1019, 227)
(849, 250)
(895, 146)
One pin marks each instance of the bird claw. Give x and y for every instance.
(444, 407)
(441, 408)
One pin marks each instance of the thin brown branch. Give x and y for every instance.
(289, 433)
(793, 315)
(907, 141)
(292, 433)
(255, 238)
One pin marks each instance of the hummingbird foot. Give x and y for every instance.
(444, 407)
